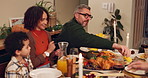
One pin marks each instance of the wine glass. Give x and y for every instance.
(120, 64)
(73, 51)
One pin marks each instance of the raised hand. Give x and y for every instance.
(51, 47)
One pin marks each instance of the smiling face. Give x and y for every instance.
(83, 16)
(42, 23)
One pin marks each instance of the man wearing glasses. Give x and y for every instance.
(73, 32)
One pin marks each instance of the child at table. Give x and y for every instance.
(17, 44)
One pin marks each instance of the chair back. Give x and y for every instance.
(2, 69)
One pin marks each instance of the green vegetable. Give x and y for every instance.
(105, 57)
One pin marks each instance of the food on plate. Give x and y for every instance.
(140, 56)
(137, 58)
(93, 49)
(143, 56)
(103, 60)
(127, 60)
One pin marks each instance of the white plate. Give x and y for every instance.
(45, 73)
(85, 49)
(138, 72)
(141, 55)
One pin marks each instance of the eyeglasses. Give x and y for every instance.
(86, 15)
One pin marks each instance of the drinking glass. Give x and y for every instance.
(120, 64)
(73, 51)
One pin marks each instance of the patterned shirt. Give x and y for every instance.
(16, 70)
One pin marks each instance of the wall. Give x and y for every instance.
(65, 9)
(16, 8)
(95, 26)
(83, 1)
(13, 8)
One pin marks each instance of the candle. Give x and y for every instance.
(80, 66)
(127, 40)
(115, 31)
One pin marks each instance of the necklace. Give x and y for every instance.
(37, 36)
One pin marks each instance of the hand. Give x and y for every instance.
(122, 49)
(58, 52)
(51, 47)
(138, 65)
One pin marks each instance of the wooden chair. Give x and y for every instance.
(2, 69)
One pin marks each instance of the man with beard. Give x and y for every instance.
(74, 33)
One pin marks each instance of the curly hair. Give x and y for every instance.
(33, 15)
(14, 41)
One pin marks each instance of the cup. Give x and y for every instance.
(73, 54)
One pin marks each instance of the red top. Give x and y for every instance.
(41, 39)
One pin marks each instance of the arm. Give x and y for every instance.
(36, 60)
(52, 57)
(79, 37)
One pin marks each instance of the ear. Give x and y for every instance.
(76, 15)
(17, 52)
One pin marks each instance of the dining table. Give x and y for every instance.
(73, 71)
(123, 74)
(111, 73)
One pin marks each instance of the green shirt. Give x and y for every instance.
(74, 33)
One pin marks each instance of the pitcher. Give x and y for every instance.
(63, 46)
